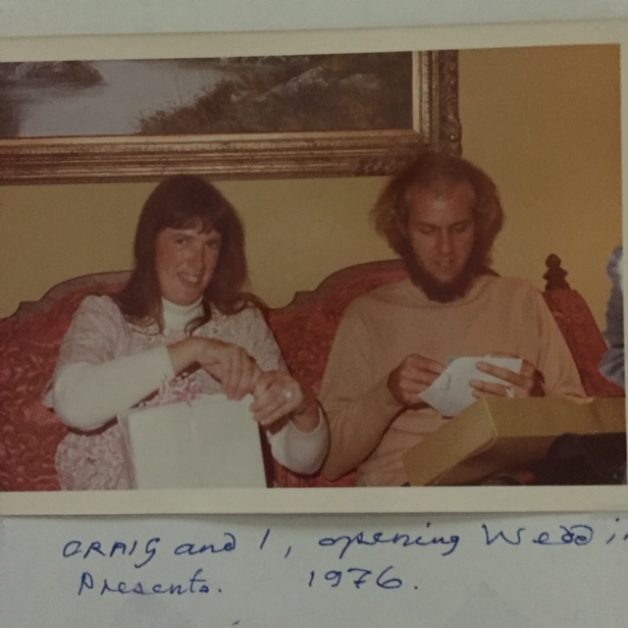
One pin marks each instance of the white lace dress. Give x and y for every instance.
(106, 364)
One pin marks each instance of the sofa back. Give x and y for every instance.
(304, 329)
(29, 342)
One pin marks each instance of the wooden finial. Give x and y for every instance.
(555, 275)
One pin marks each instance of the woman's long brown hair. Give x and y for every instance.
(181, 202)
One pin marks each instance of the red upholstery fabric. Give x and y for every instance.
(584, 339)
(30, 433)
(305, 331)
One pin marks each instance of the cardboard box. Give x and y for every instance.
(498, 434)
(208, 442)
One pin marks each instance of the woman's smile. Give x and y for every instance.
(185, 262)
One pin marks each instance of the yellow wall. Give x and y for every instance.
(297, 232)
(543, 121)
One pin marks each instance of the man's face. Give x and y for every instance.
(441, 235)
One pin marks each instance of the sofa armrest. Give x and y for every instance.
(576, 322)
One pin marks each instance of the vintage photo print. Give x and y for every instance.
(345, 276)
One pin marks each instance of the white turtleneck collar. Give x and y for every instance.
(176, 317)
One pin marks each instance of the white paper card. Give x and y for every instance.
(404, 571)
(209, 442)
(450, 393)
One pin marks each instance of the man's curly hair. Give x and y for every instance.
(438, 171)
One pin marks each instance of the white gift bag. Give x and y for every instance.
(211, 442)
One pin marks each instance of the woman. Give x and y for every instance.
(180, 327)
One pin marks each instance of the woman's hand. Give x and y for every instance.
(277, 394)
(230, 364)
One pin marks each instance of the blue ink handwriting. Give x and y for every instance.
(345, 541)
(191, 549)
(359, 577)
(575, 534)
(196, 584)
(80, 548)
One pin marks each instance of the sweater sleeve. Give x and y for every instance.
(91, 384)
(359, 406)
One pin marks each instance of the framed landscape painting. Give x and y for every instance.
(228, 117)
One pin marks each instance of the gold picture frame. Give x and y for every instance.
(435, 124)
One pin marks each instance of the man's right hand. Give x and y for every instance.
(412, 377)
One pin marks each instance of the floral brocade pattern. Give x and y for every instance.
(30, 433)
(305, 332)
(583, 338)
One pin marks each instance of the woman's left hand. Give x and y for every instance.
(278, 394)
(528, 382)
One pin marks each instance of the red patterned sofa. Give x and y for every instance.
(29, 341)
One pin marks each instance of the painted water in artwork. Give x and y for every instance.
(231, 95)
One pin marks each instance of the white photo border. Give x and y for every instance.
(312, 500)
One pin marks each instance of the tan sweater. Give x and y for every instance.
(369, 429)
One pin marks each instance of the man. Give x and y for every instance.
(441, 215)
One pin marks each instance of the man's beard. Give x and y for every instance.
(440, 291)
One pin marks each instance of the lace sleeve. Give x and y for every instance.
(94, 378)
(93, 333)
(249, 330)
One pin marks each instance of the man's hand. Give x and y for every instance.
(527, 383)
(412, 377)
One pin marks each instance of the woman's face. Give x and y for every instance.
(185, 260)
